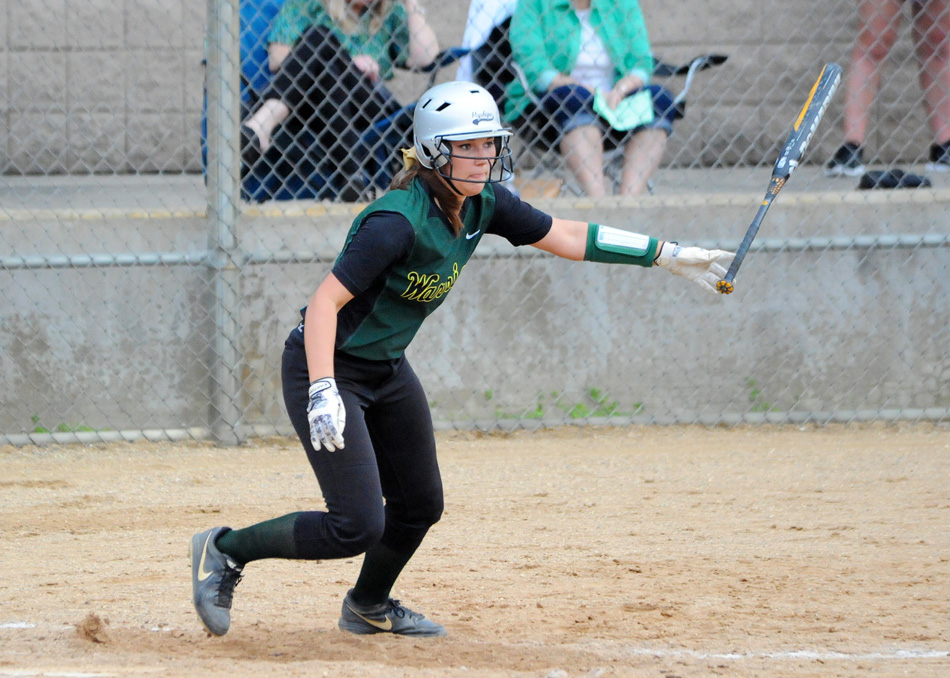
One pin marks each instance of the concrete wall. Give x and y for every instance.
(100, 85)
(828, 327)
(116, 86)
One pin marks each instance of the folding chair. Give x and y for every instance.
(542, 139)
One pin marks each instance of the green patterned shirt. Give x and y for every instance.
(389, 45)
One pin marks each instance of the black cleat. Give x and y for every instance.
(847, 161)
(939, 158)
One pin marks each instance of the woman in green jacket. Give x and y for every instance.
(588, 65)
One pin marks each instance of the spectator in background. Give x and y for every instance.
(880, 20)
(329, 64)
(484, 17)
(584, 59)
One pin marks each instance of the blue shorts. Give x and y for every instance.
(572, 106)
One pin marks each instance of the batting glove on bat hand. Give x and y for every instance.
(326, 415)
(703, 267)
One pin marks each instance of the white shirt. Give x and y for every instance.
(593, 67)
(483, 16)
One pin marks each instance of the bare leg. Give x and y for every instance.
(641, 157)
(879, 23)
(271, 113)
(583, 150)
(931, 32)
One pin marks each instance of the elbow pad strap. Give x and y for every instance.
(608, 245)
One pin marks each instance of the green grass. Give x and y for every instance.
(61, 428)
(596, 404)
(756, 404)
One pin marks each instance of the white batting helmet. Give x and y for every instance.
(456, 111)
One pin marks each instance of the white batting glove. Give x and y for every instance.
(326, 415)
(703, 267)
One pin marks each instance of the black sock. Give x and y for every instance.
(381, 567)
(270, 539)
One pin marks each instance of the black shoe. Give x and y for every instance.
(893, 179)
(939, 158)
(846, 162)
(213, 578)
(389, 617)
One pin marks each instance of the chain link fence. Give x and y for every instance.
(151, 263)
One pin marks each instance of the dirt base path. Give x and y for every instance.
(664, 552)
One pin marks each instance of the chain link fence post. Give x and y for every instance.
(224, 261)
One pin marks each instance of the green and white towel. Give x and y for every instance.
(633, 111)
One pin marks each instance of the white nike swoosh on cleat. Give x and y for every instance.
(202, 573)
(381, 625)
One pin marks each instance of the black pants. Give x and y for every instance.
(330, 97)
(389, 454)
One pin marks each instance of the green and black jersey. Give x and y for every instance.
(401, 258)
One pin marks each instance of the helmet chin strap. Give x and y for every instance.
(448, 177)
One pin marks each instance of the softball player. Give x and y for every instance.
(345, 370)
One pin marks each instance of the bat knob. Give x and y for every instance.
(724, 287)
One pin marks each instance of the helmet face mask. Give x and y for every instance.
(459, 111)
(500, 163)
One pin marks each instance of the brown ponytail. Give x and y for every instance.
(448, 200)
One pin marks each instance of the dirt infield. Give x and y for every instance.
(663, 552)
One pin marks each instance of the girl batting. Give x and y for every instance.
(352, 396)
